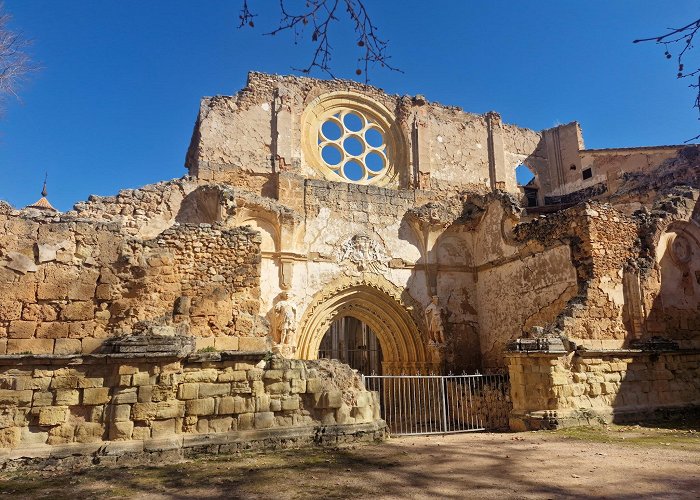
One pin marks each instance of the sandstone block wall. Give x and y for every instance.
(488, 406)
(590, 387)
(66, 284)
(49, 401)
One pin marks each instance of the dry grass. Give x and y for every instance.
(599, 462)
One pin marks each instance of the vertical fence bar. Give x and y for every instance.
(433, 404)
(444, 406)
(421, 405)
(460, 398)
(412, 396)
(398, 403)
(429, 416)
(448, 405)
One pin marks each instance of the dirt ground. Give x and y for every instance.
(606, 462)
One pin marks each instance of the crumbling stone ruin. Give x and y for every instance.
(327, 219)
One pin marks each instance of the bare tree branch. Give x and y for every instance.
(681, 40)
(318, 16)
(15, 63)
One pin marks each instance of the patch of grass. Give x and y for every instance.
(210, 348)
(633, 435)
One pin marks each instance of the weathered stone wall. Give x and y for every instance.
(517, 285)
(560, 177)
(201, 277)
(521, 146)
(487, 406)
(243, 139)
(592, 387)
(67, 284)
(49, 401)
(143, 212)
(523, 292)
(602, 242)
(210, 255)
(611, 166)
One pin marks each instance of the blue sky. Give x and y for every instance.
(116, 99)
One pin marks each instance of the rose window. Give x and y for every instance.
(348, 137)
(353, 146)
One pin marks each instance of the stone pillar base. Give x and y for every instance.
(284, 350)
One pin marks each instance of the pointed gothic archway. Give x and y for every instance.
(391, 313)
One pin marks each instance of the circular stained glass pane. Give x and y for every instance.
(331, 155)
(331, 130)
(374, 162)
(353, 122)
(374, 138)
(353, 146)
(353, 170)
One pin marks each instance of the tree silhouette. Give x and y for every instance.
(14, 61)
(319, 17)
(680, 41)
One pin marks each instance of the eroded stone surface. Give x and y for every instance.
(257, 228)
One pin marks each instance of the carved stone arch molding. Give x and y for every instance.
(389, 311)
(262, 221)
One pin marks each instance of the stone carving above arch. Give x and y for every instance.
(364, 253)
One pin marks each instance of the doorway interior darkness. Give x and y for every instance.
(351, 341)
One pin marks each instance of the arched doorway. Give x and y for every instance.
(390, 314)
(353, 342)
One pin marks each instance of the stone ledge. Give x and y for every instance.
(634, 352)
(79, 359)
(559, 419)
(601, 352)
(205, 357)
(189, 445)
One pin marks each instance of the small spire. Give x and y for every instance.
(43, 203)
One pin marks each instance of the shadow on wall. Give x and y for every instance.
(666, 376)
(444, 271)
(204, 205)
(456, 285)
(649, 385)
(674, 312)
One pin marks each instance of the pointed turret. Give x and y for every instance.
(43, 203)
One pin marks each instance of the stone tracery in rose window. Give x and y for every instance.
(350, 138)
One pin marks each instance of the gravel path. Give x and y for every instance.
(616, 463)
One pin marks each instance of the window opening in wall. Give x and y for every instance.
(587, 173)
(353, 146)
(523, 175)
(526, 180)
(530, 196)
(351, 341)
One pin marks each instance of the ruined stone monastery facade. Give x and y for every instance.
(147, 317)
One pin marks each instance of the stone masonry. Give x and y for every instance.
(154, 314)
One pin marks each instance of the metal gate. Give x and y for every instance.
(440, 404)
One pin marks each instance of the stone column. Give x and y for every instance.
(497, 161)
(534, 381)
(421, 151)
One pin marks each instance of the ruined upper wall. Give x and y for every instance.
(272, 125)
(573, 174)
